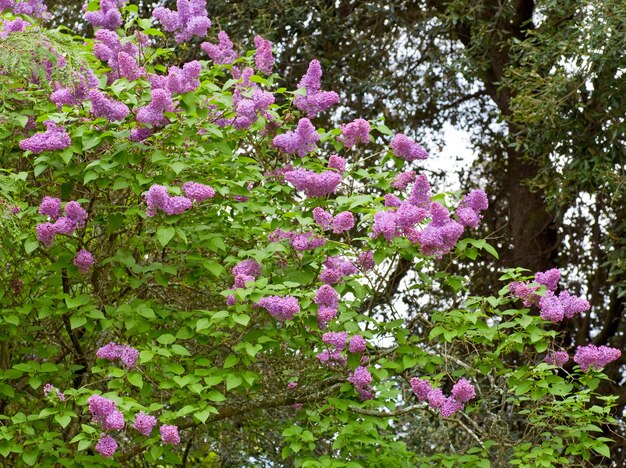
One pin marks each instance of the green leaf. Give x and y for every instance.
(241, 319)
(231, 360)
(166, 339)
(602, 449)
(77, 321)
(30, 457)
(30, 245)
(74, 302)
(233, 381)
(165, 234)
(84, 444)
(180, 350)
(62, 419)
(135, 379)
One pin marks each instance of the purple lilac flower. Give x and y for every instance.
(184, 80)
(140, 133)
(557, 358)
(338, 163)
(315, 100)
(441, 234)
(450, 406)
(105, 412)
(49, 388)
(128, 66)
(355, 132)
(189, 20)
(51, 207)
(470, 207)
(463, 391)
(357, 344)
(550, 278)
(34, 8)
(360, 378)
(525, 292)
(326, 296)
(64, 225)
(598, 357)
(300, 142)
(307, 241)
(54, 138)
(169, 434)
(129, 356)
(405, 148)
(223, 52)
(263, 57)
(392, 201)
(76, 213)
(366, 260)
(551, 308)
(83, 261)
(385, 224)
(110, 351)
(45, 233)
(421, 388)
(108, 48)
(325, 315)
(198, 192)
(292, 385)
(420, 193)
(144, 423)
(342, 222)
(331, 356)
(283, 308)
(312, 183)
(153, 113)
(110, 109)
(322, 218)
(106, 446)
(84, 81)
(107, 17)
(17, 25)
(336, 339)
(177, 205)
(403, 179)
(435, 398)
(573, 305)
(247, 267)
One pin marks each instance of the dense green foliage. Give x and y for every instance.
(221, 373)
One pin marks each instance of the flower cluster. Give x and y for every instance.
(11, 26)
(121, 57)
(300, 142)
(283, 308)
(157, 198)
(108, 16)
(34, 8)
(462, 392)
(553, 307)
(315, 100)
(84, 82)
(144, 423)
(407, 149)
(198, 192)
(169, 434)
(105, 413)
(335, 268)
(327, 300)
(263, 57)
(342, 222)
(470, 207)
(54, 138)
(557, 358)
(595, 356)
(362, 379)
(244, 272)
(189, 20)
(300, 242)
(338, 340)
(104, 106)
(49, 388)
(221, 53)
(112, 352)
(106, 446)
(178, 80)
(83, 261)
(312, 183)
(355, 132)
(75, 217)
(366, 260)
(403, 179)
(160, 102)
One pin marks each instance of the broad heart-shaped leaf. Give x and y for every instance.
(165, 234)
(62, 419)
(233, 381)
